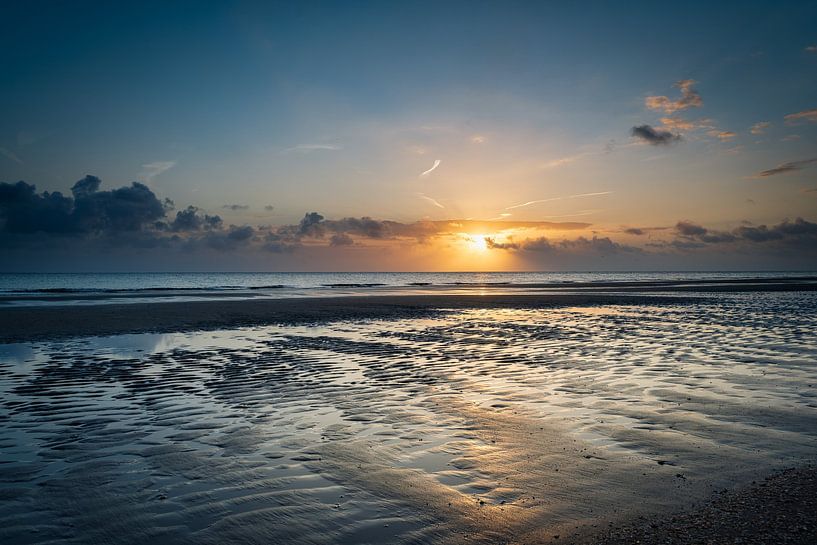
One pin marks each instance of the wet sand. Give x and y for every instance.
(780, 509)
(531, 418)
(20, 324)
(27, 323)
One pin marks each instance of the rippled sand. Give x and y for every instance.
(483, 426)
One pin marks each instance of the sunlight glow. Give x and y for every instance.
(478, 243)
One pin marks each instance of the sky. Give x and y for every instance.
(403, 136)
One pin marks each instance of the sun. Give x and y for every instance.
(478, 243)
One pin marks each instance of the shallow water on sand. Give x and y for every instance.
(476, 426)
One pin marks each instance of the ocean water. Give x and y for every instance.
(14, 283)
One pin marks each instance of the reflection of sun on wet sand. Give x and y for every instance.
(506, 421)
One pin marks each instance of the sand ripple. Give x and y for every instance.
(478, 425)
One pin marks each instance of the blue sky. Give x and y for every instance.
(338, 107)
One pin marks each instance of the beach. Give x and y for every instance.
(600, 413)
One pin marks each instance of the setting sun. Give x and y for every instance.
(478, 243)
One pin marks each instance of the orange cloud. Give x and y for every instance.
(689, 99)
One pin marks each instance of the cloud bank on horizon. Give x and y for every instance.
(93, 223)
(367, 137)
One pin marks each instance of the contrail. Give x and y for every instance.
(559, 199)
(533, 202)
(429, 199)
(306, 148)
(429, 171)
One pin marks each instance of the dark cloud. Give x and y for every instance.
(235, 207)
(341, 239)
(602, 245)
(310, 225)
(494, 245)
(190, 219)
(23, 210)
(277, 242)
(792, 233)
(229, 239)
(86, 186)
(367, 227)
(689, 229)
(578, 246)
(640, 231)
(269, 208)
(786, 168)
(654, 137)
(314, 225)
(798, 229)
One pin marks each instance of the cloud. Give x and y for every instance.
(429, 199)
(492, 244)
(799, 233)
(539, 201)
(190, 219)
(269, 208)
(805, 115)
(654, 137)
(799, 228)
(309, 148)
(235, 207)
(690, 230)
(230, 239)
(433, 167)
(310, 225)
(578, 247)
(640, 231)
(581, 245)
(689, 99)
(152, 170)
(94, 220)
(315, 226)
(760, 127)
(723, 136)
(341, 239)
(8, 154)
(811, 49)
(678, 124)
(564, 160)
(23, 210)
(786, 168)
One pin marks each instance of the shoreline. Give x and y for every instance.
(67, 295)
(27, 324)
(59, 321)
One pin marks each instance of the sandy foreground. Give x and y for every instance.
(652, 416)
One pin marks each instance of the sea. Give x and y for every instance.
(66, 283)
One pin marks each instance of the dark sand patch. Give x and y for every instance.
(781, 509)
(23, 324)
